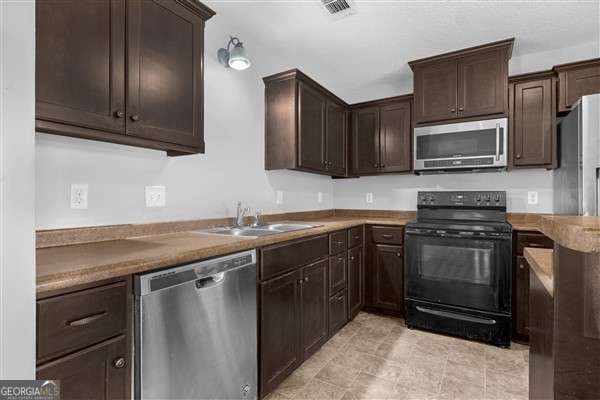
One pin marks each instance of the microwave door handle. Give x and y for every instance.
(497, 141)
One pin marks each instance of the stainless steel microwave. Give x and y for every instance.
(473, 145)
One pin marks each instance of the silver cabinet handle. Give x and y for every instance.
(497, 141)
(119, 363)
(87, 320)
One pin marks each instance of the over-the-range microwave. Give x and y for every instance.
(462, 146)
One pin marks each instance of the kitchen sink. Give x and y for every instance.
(259, 230)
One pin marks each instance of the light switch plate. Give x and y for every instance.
(79, 196)
(369, 197)
(320, 197)
(532, 198)
(155, 196)
(279, 197)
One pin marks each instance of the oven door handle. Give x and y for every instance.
(460, 317)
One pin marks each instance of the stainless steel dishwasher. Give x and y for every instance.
(195, 330)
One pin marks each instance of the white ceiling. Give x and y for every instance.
(365, 55)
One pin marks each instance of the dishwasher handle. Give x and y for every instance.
(210, 281)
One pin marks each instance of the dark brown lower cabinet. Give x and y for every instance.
(99, 372)
(280, 321)
(314, 296)
(521, 317)
(355, 281)
(541, 336)
(520, 281)
(338, 311)
(387, 277)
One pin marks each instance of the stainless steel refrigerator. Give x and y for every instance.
(576, 180)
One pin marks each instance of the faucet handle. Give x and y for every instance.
(257, 214)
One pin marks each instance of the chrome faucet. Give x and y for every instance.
(240, 212)
(256, 221)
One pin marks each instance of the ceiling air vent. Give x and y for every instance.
(339, 8)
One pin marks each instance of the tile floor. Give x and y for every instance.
(376, 357)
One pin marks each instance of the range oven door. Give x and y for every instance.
(464, 269)
(464, 145)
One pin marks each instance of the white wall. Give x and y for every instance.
(17, 239)
(197, 186)
(399, 192)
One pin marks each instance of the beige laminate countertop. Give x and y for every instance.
(540, 261)
(576, 233)
(65, 266)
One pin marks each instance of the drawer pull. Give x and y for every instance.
(299, 282)
(306, 279)
(534, 245)
(387, 236)
(356, 237)
(352, 258)
(521, 266)
(339, 242)
(399, 254)
(87, 320)
(119, 362)
(340, 259)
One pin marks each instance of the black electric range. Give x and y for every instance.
(458, 265)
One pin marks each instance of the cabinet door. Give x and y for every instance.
(98, 372)
(482, 84)
(80, 63)
(576, 83)
(338, 312)
(314, 307)
(165, 69)
(355, 281)
(435, 91)
(336, 138)
(388, 277)
(279, 329)
(338, 273)
(395, 136)
(533, 123)
(365, 140)
(311, 128)
(521, 308)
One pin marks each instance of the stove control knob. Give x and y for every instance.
(478, 197)
(487, 197)
(497, 197)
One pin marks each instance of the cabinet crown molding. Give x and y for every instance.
(506, 43)
(197, 7)
(295, 73)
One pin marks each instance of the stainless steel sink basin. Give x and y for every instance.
(260, 230)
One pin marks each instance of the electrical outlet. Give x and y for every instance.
(279, 197)
(532, 198)
(369, 197)
(320, 197)
(79, 196)
(155, 196)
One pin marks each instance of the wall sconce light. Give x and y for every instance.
(235, 58)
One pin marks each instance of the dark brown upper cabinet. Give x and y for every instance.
(128, 72)
(382, 136)
(462, 84)
(532, 131)
(576, 80)
(305, 125)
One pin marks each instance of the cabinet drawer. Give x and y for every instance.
(533, 240)
(284, 257)
(387, 235)
(75, 320)
(338, 312)
(355, 236)
(338, 273)
(338, 242)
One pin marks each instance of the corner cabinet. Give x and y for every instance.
(382, 136)
(305, 125)
(532, 131)
(128, 72)
(576, 80)
(462, 84)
